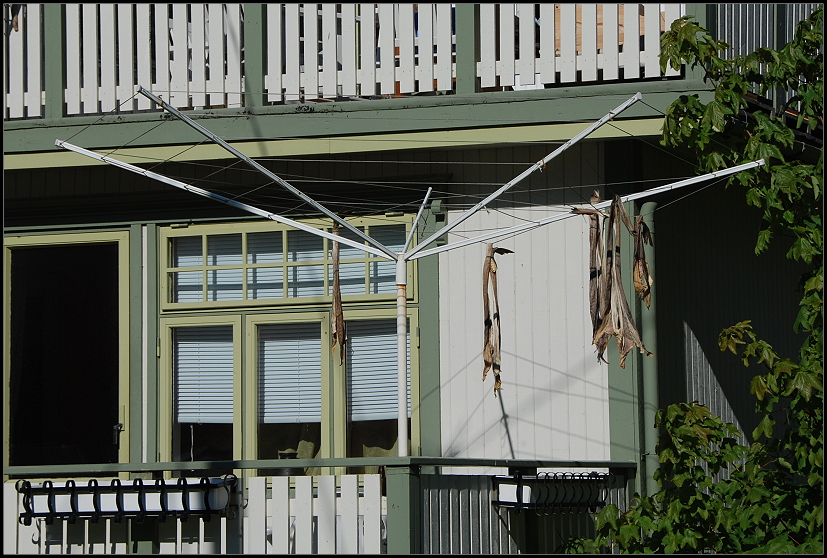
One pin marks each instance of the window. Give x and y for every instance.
(201, 395)
(266, 263)
(372, 372)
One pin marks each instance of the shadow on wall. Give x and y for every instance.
(709, 278)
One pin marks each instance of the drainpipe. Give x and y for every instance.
(649, 396)
(402, 356)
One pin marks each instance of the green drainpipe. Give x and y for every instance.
(649, 396)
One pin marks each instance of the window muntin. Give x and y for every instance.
(269, 263)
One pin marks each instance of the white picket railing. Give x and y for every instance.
(314, 516)
(338, 51)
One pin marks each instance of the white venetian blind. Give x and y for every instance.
(290, 373)
(372, 370)
(203, 369)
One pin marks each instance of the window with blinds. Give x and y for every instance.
(203, 374)
(289, 368)
(273, 265)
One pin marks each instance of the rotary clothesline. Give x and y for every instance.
(372, 246)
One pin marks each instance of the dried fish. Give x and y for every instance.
(617, 316)
(491, 308)
(595, 259)
(337, 330)
(642, 278)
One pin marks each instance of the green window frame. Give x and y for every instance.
(268, 264)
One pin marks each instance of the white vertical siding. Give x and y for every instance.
(554, 402)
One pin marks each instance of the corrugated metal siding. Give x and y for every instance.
(747, 27)
(554, 403)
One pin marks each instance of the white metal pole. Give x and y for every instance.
(402, 355)
(416, 220)
(536, 166)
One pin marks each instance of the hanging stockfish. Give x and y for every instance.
(338, 318)
(595, 258)
(491, 309)
(642, 279)
(617, 317)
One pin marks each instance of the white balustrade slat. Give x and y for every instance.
(566, 63)
(631, 41)
(10, 524)
(272, 81)
(347, 50)
(325, 512)
(292, 80)
(144, 53)
(406, 48)
(367, 58)
(506, 69)
(349, 514)
(108, 81)
(125, 88)
(651, 39)
(89, 88)
(311, 52)
(671, 13)
(303, 512)
(161, 85)
(257, 515)
(330, 54)
(215, 43)
(234, 86)
(179, 78)
(73, 63)
(425, 42)
(547, 62)
(371, 510)
(198, 83)
(610, 42)
(588, 68)
(34, 52)
(526, 70)
(280, 515)
(443, 70)
(387, 56)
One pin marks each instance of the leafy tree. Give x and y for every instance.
(772, 500)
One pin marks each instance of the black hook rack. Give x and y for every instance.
(556, 493)
(71, 500)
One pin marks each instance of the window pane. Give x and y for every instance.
(203, 374)
(303, 246)
(265, 282)
(187, 286)
(224, 249)
(305, 280)
(224, 284)
(264, 248)
(372, 370)
(345, 251)
(186, 251)
(351, 278)
(290, 391)
(203, 394)
(383, 272)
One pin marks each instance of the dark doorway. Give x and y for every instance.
(64, 354)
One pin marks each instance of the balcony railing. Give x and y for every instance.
(414, 505)
(204, 55)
